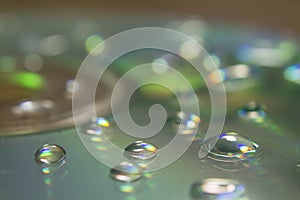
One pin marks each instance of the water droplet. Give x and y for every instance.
(93, 129)
(33, 108)
(127, 188)
(141, 150)
(54, 45)
(50, 154)
(292, 74)
(216, 188)
(33, 62)
(186, 123)
(126, 172)
(253, 111)
(235, 78)
(231, 147)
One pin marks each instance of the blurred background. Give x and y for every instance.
(279, 15)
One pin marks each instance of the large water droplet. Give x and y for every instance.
(216, 188)
(253, 111)
(186, 123)
(33, 108)
(231, 147)
(50, 154)
(126, 172)
(141, 150)
(292, 74)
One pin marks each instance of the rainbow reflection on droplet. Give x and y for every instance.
(292, 74)
(253, 111)
(126, 172)
(93, 129)
(217, 189)
(101, 121)
(50, 154)
(231, 147)
(141, 150)
(127, 188)
(186, 123)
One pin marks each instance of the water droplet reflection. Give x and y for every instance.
(101, 121)
(93, 129)
(186, 123)
(50, 154)
(126, 172)
(33, 108)
(235, 78)
(141, 151)
(216, 188)
(253, 111)
(231, 147)
(292, 74)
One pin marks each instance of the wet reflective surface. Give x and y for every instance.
(32, 89)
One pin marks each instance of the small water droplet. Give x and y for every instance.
(141, 150)
(292, 74)
(93, 129)
(33, 108)
(50, 154)
(186, 123)
(231, 147)
(126, 172)
(253, 111)
(217, 188)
